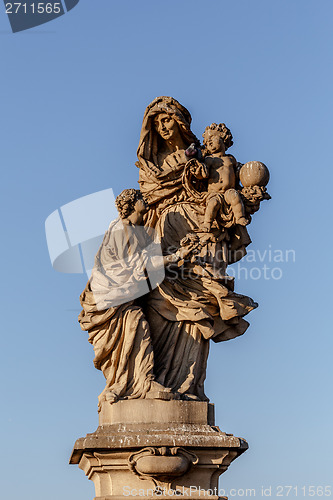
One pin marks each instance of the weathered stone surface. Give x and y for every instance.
(138, 411)
(145, 455)
(192, 203)
(158, 293)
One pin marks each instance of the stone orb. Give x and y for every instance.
(254, 173)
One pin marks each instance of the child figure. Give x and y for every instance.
(222, 178)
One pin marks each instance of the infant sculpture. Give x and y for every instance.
(186, 224)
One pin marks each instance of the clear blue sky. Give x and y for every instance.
(73, 96)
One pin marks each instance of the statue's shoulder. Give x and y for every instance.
(231, 159)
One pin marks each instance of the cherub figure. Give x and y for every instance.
(222, 177)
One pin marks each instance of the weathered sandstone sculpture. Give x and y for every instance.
(158, 294)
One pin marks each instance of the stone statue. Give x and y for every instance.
(193, 207)
(158, 293)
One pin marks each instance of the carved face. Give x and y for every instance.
(214, 142)
(140, 207)
(166, 126)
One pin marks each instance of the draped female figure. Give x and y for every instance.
(196, 301)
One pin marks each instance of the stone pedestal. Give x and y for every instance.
(148, 448)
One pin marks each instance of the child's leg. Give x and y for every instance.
(212, 208)
(233, 198)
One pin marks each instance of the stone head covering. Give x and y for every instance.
(150, 139)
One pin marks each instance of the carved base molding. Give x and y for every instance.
(172, 449)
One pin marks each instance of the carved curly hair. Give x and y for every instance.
(226, 134)
(126, 200)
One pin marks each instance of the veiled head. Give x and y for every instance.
(164, 118)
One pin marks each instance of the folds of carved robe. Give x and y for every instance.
(199, 291)
(183, 315)
(180, 353)
(117, 327)
(123, 351)
(190, 307)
